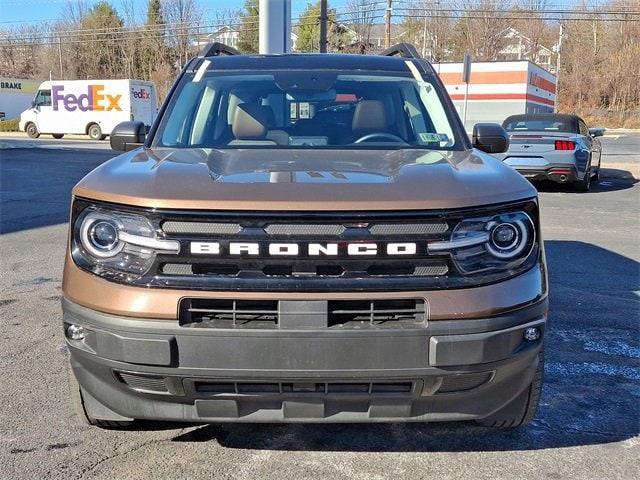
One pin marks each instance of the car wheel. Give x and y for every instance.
(585, 184)
(57, 136)
(523, 408)
(32, 130)
(79, 412)
(596, 176)
(95, 132)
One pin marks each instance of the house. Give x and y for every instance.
(229, 36)
(520, 47)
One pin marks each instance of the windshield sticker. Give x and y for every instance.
(434, 137)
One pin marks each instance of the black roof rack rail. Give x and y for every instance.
(405, 50)
(216, 49)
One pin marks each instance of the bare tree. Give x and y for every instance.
(184, 17)
(360, 16)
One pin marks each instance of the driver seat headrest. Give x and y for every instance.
(249, 122)
(369, 116)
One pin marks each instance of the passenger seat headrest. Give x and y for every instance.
(369, 116)
(249, 122)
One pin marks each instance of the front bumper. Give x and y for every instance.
(445, 370)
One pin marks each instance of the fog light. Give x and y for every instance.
(75, 332)
(532, 334)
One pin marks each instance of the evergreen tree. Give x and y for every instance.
(154, 49)
(309, 30)
(249, 19)
(97, 54)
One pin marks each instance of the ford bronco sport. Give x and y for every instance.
(305, 238)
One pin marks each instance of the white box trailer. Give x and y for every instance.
(499, 89)
(91, 107)
(16, 95)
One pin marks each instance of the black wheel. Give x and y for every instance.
(80, 413)
(596, 176)
(95, 132)
(585, 184)
(523, 408)
(32, 130)
(57, 136)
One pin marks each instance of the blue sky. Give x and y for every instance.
(16, 12)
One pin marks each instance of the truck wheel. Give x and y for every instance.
(585, 184)
(32, 130)
(78, 410)
(95, 132)
(57, 136)
(522, 409)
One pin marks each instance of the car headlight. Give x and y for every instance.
(117, 244)
(490, 243)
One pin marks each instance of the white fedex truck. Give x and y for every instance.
(90, 107)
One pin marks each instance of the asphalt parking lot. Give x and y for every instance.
(587, 427)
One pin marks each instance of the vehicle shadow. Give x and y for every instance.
(591, 391)
(611, 180)
(36, 183)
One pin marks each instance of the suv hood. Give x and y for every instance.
(278, 179)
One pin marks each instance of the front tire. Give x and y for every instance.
(95, 132)
(32, 130)
(522, 409)
(57, 136)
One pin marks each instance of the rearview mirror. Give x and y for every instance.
(490, 138)
(596, 132)
(127, 136)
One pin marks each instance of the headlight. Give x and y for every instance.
(490, 243)
(117, 244)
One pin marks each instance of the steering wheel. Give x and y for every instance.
(385, 136)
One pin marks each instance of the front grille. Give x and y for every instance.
(213, 388)
(302, 270)
(269, 314)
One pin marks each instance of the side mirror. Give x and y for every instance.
(596, 132)
(490, 138)
(127, 136)
(33, 104)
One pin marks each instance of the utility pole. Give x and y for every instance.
(60, 57)
(558, 65)
(323, 26)
(274, 26)
(387, 25)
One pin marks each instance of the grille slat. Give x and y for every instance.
(214, 388)
(260, 314)
(201, 228)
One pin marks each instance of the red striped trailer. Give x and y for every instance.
(499, 89)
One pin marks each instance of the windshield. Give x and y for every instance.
(305, 109)
(523, 124)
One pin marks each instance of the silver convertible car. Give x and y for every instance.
(553, 147)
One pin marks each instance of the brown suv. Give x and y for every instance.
(305, 238)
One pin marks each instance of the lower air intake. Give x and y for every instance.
(143, 383)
